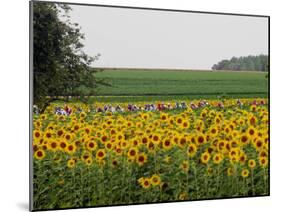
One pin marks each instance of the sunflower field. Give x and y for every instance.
(96, 159)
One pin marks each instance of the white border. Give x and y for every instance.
(14, 104)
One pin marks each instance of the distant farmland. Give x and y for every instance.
(177, 84)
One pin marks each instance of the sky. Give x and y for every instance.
(135, 38)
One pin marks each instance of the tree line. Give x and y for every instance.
(248, 63)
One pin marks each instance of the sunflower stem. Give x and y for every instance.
(252, 181)
(218, 180)
(196, 182)
(264, 179)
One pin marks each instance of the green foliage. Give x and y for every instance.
(249, 63)
(157, 84)
(60, 66)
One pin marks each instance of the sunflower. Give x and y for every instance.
(118, 151)
(167, 144)
(43, 116)
(179, 120)
(37, 124)
(68, 136)
(213, 131)
(217, 158)
(235, 134)
(141, 159)
(252, 163)
(60, 132)
(265, 141)
(146, 183)
(263, 161)
(124, 144)
(149, 129)
(203, 114)
(156, 138)
(191, 150)
(61, 182)
(253, 108)
(151, 147)
(135, 142)
(145, 116)
(113, 132)
(53, 145)
(171, 121)
(76, 127)
(200, 139)
(71, 163)
(221, 145)
(217, 120)
(155, 180)
(176, 138)
(114, 163)
(210, 171)
(242, 158)
(35, 147)
(39, 154)
(130, 124)
(47, 135)
(241, 122)
(163, 116)
(252, 120)
(109, 145)
(84, 138)
(234, 152)
(199, 128)
(36, 134)
(234, 159)
(91, 145)
(251, 132)
(227, 130)
(140, 180)
(182, 142)
(78, 142)
(82, 115)
(89, 161)
(85, 155)
(230, 171)
(109, 122)
(132, 152)
(104, 138)
(71, 148)
(87, 130)
(144, 139)
(100, 154)
(185, 125)
(185, 166)
(245, 173)
(183, 196)
(258, 143)
(233, 144)
(205, 157)
(263, 153)
(244, 138)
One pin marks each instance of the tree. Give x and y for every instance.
(60, 66)
(249, 63)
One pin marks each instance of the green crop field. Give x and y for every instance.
(176, 84)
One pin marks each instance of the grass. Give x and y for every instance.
(139, 85)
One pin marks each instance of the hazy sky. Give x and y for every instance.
(162, 39)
